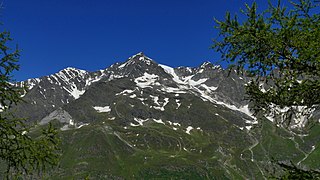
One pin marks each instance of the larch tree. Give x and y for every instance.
(280, 49)
(23, 155)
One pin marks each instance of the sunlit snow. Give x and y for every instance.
(189, 128)
(102, 109)
(159, 121)
(147, 80)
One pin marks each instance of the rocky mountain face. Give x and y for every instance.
(139, 80)
(173, 122)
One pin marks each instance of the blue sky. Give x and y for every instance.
(93, 34)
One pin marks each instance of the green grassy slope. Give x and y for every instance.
(107, 150)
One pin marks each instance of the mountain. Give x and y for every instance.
(137, 75)
(140, 119)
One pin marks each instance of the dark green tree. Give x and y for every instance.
(23, 156)
(280, 49)
(293, 172)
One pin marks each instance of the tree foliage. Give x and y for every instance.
(23, 155)
(280, 49)
(288, 171)
(293, 172)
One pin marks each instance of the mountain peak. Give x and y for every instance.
(140, 54)
(138, 59)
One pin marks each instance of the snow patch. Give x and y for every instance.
(178, 103)
(189, 128)
(173, 90)
(76, 93)
(147, 80)
(112, 76)
(196, 83)
(170, 71)
(209, 88)
(102, 109)
(139, 121)
(80, 126)
(125, 92)
(161, 108)
(166, 101)
(155, 99)
(198, 128)
(159, 121)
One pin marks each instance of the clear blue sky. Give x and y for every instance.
(93, 34)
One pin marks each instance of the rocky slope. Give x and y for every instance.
(132, 78)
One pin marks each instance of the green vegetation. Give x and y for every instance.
(107, 150)
(280, 48)
(22, 155)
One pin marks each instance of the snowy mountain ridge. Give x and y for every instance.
(74, 82)
(146, 81)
